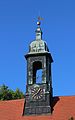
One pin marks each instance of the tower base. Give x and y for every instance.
(38, 107)
(37, 110)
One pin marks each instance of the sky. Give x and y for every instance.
(17, 29)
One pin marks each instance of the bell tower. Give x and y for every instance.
(38, 96)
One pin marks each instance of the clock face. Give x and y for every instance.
(37, 93)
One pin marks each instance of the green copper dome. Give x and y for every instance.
(38, 45)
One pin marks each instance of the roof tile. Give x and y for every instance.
(63, 109)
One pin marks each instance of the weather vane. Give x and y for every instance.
(39, 19)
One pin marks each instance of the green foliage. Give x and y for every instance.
(18, 94)
(8, 94)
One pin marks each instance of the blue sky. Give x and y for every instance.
(17, 29)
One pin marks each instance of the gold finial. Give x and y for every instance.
(38, 23)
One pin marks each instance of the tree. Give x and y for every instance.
(8, 94)
(5, 93)
(18, 94)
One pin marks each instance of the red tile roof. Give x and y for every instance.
(63, 109)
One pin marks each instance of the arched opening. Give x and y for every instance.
(37, 72)
(39, 76)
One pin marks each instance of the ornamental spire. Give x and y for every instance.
(38, 30)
